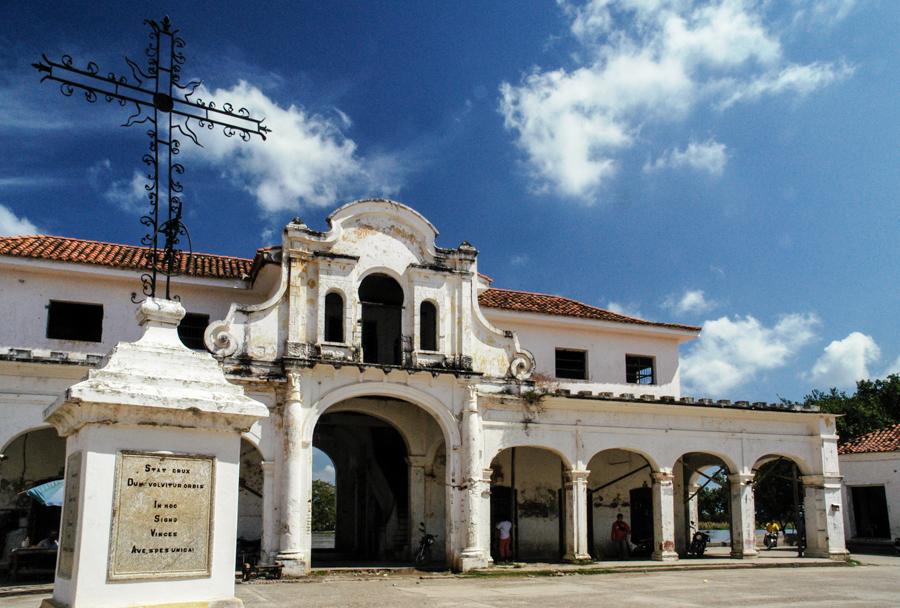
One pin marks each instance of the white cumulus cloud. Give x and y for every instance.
(845, 361)
(643, 62)
(307, 160)
(690, 302)
(732, 351)
(710, 156)
(799, 79)
(13, 225)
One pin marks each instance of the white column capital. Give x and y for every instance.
(821, 481)
(471, 402)
(741, 478)
(417, 461)
(577, 476)
(294, 388)
(663, 477)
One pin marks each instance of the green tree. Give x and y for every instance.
(874, 405)
(713, 499)
(773, 490)
(324, 506)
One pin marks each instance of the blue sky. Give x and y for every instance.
(731, 164)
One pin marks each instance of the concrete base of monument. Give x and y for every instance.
(152, 471)
(229, 603)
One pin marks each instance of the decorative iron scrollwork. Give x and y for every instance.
(160, 99)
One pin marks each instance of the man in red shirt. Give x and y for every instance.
(619, 535)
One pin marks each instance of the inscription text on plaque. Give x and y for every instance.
(162, 516)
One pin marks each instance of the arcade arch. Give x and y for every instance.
(620, 481)
(30, 458)
(527, 489)
(696, 472)
(389, 479)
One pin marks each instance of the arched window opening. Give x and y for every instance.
(382, 317)
(428, 326)
(334, 318)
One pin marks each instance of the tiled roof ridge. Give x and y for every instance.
(602, 313)
(118, 255)
(885, 439)
(568, 299)
(142, 247)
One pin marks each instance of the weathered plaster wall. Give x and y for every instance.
(606, 350)
(872, 470)
(27, 286)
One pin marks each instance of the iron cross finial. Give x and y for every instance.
(160, 100)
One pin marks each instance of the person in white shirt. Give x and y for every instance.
(505, 528)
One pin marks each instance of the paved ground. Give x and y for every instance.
(873, 585)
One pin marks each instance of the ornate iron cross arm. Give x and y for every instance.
(160, 100)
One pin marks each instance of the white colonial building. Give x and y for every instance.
(440, 399)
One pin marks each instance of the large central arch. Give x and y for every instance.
(420, 479)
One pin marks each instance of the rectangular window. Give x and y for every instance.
(75, 321)
(639, 370)
(571, 364)
(191, 330)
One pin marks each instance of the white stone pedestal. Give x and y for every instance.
(152, 457)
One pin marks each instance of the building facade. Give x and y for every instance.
(443, 402)
(870, 465)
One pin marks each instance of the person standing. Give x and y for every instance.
(619, 534)
(505, 529)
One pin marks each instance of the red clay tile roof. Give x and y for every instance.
(526, 301)
(882, 440)
(60, 249)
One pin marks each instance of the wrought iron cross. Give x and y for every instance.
(161, 100)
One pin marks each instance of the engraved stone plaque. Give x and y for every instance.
(162, 516)
(69, 532)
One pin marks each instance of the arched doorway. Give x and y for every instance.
(388, 478)
(527, 490)
(382, 319)
(32, 458)
(620, 482)
(250, 503)
(703, 502)
(778, 499)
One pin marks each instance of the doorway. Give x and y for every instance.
(382, 320)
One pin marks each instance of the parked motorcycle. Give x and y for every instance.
(698, 544)
(423, 553)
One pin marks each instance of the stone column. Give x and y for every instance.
(473, 555)
(269, 540)
(743, 516)
(576, 516)
(822, 505)
(486, 530)
(295, 505)
(416, 496)
(664, 516)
